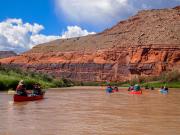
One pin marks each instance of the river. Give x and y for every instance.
(90, 111)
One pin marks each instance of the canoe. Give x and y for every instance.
(164, 91)
(18, 98)
(115, 91)
(136, 92)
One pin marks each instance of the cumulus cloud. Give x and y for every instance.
(93, 11)
(18, 36)
(104, 12)
(75, 31)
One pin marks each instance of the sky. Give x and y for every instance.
(26, 23)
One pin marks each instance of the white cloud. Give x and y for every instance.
(40, 38)
(75, 31)
(106, 12)
(18, 36)
(93, 11)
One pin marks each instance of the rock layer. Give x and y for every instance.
(115, 64)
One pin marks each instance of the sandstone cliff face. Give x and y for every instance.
(5, 54)
(146, 44)
(115, 64)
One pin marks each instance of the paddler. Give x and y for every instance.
(21, 89)
(137, 87)
(109, 89)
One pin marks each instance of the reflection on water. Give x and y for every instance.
(92, 112)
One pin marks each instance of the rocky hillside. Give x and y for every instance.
(147, 27)
(144, 45)
(5, 54)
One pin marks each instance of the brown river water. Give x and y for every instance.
(90, 111)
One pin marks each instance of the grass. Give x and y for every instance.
(170, 79)
(9, 79)
(158, 84)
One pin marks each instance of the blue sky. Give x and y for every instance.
(26, 23)
(39, 11)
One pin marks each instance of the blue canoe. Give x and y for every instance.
(164, 91)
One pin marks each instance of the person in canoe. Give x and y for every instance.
(152, 88)
(37, 89)
(137, 87)
(166, 89)
(109, 89)
(162, 88)
(115, 89)
(21, 89)
(131, 88)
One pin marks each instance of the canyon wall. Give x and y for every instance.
(115, 64)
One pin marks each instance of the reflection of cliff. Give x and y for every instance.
(145, 44)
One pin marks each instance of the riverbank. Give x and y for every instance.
(98, 88)
(149, 84)
(9, 79)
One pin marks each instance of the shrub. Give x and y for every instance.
(10, 77)
(2, 85)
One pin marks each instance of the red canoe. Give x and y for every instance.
(18, 98)
(135, 92)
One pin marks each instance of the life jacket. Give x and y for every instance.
(19, 88)
(109, 90)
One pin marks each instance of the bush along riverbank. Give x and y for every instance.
(169, 79)
(9, 78)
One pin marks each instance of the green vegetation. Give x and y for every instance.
(158, 84)
(170, 79)
(9, 78)
(155, 84)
